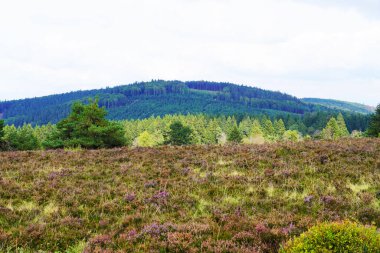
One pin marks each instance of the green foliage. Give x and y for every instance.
(332, 130)
(256, 129)
(235, 135)
(279, 129)
(343, 131)
(145, 139)
(204, 130)
(22, 138)
(1, 134)
(291, 135)
(336, 237)
(268, 129)
(87, 127)
(340, 105)
(374, 126)
(179, 134)
(1, 129)
(159, 98)
(335, 128)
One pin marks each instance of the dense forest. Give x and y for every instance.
(87, 127)
(159, 98)
(341, 105)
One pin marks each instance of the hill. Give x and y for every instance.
(242, 198)
(341, 105)
(141, 100)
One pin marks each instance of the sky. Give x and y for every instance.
(307, 48)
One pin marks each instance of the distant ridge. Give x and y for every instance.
(341, 105)
(158, 97)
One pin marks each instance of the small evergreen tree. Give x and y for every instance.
(87, 127)
(256, 129)
(235, 135)
(292, 135)
(21, 138)
(279, 129)
(332, 130)
(268, 129)
(374, 125)
(343, 131)
(179, 134)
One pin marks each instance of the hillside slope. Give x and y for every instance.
(341, 105)
(141, 100)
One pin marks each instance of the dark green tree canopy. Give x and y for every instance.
(87, 127)
(374, 125)
(179, 134)
(1, 130)
(2, 135)
(235, 135)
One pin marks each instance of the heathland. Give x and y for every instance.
(210, 198)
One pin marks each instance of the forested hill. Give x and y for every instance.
(141, 100)
(341, 105)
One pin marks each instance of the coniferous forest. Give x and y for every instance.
(159, 98)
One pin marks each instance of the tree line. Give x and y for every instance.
(87, 127)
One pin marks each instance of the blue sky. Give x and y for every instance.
(307, 48)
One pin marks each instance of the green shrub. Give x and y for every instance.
(336, 237)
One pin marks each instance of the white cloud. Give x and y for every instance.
(303, 47)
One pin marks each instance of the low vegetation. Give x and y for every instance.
(233, 198)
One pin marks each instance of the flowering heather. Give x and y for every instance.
(243, 198)
(129, 197)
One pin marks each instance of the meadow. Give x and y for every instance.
(233, 198)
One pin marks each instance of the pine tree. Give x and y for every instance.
(21, 138)
(179, 134)
(87, 127)
(374, 125)
(268, 129)
(279, 128)
(235, 135)
(212, 132)
(245, 126)
(256, 129)
(332, 130)
(343, 131)
(291, 135)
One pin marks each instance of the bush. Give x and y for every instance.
(336, 237)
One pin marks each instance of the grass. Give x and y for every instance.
(247, 198)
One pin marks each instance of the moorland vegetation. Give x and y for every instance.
(232, 198)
